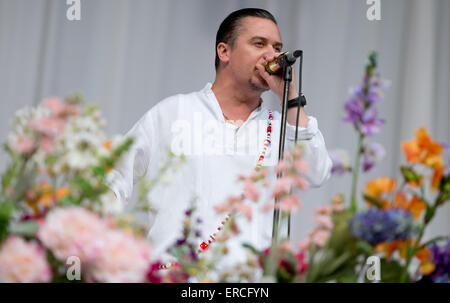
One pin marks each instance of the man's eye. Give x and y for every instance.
(259, 44)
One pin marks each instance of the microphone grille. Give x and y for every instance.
(298, 53)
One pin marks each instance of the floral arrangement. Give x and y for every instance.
(55, 203)
(344, 237)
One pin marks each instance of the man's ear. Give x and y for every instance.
(223, 52)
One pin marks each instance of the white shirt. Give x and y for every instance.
(217, 152)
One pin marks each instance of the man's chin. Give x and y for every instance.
(260, 85)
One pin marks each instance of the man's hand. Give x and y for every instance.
(276, 82)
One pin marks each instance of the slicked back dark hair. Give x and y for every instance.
(229, 28)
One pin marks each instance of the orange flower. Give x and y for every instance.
(423, 150)
(411, 150)
(377, 187)
(416, 206)
(426, 266)
(437, 176)
(388, 248)
(423, 254)
(107, 144)
(400, 200)
(61, 193)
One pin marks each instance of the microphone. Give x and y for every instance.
(276, 66)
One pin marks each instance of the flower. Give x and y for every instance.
(72, 231)
(376, 188)
(376, 226)
(341, 161)
(423, 150)
(23, 262)
(440, 257)
(373, 153)
(23, 145)
(251, 192)
(360, 107)
(123, 259)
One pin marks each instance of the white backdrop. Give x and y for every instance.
(128, 55)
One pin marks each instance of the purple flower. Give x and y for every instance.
(355, 109)
(377, 226)
(440, 256)
(341, 161)
(360, 108)
(373, 153)
(370, 123)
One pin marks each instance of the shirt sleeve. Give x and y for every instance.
(134, 163)
(315, 152)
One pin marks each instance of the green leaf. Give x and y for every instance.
(6, 211)
(429, 214)
(374, 201)
(391, 271)
(27, 228)
(409, 174)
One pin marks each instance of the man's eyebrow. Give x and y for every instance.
(265, 40)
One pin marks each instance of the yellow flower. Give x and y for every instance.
(426, 267)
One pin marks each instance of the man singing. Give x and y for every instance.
(221, 129)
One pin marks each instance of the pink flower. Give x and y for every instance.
(59, 109)
(304, 244)
(246, 210)
(221, 208)
(323, 210)
(319, 237)
(282, 167)
(73, 231)
(251, 192)
(324, 221)
(290, 203)
(268, 206)
(23, 145)
(282, 186)
(54, 105)
(285, 246)
(338, 207)
(47, 144)
(300, 166)
(23, 262)
(123, 259)
(47, 126)
(300, 182)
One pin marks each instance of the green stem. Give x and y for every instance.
(356, 167)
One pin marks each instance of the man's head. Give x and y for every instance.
(244, 37)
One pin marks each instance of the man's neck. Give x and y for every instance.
(236, 102)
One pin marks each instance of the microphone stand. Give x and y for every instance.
(287, 80)
(276, 211)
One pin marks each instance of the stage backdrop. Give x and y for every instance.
(128, 55)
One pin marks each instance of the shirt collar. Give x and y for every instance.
(213, 104)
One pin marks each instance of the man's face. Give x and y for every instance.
(257, 38)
